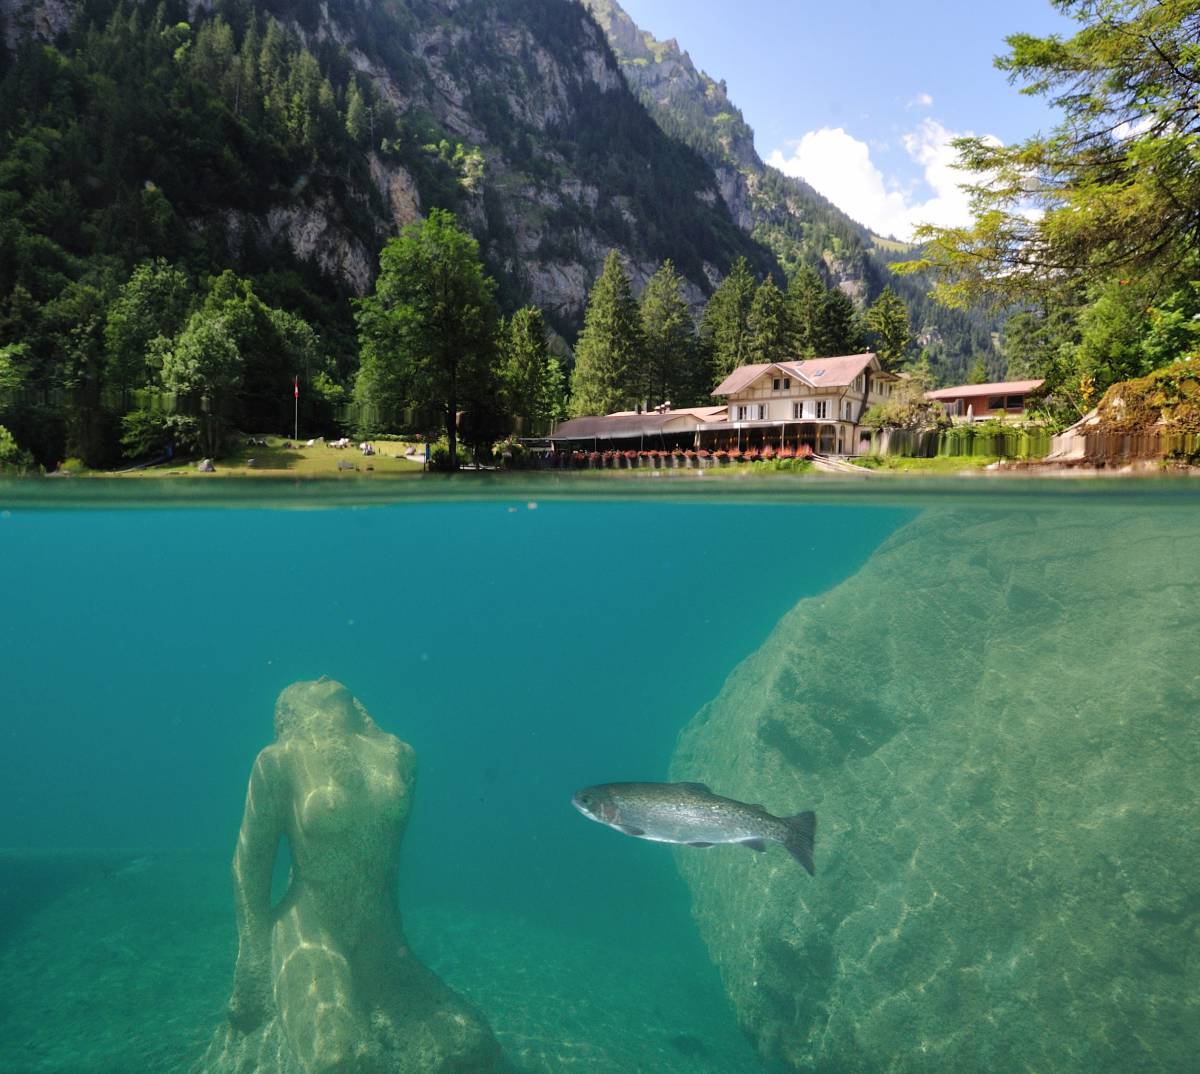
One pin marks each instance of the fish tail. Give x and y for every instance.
(801, 830)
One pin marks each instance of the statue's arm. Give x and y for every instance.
(253, 865)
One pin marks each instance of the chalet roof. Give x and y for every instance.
(970, 391)
(628, 424)
(835, 372)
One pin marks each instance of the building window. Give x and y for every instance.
(995, 402)
(822, 408)
(750, 412)
(787, 383)
(846, 410)
(775, 384)
(1016, 402)
(797, 410)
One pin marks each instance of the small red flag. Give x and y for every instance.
(295, 387)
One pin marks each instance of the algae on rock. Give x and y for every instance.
(996, 722)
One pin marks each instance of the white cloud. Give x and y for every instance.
(839, 166)
(921, 100)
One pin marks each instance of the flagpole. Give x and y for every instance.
(296, 408)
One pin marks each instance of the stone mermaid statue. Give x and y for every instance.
(324, 982)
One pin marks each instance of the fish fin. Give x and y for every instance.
(802, 829)
(629, 829)
(755, 844)
(701, 787)
(699, 843)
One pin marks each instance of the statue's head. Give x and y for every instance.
(321, 707)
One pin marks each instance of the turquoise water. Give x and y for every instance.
(526, 645)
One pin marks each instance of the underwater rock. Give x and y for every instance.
(996, 721)
(324, 980)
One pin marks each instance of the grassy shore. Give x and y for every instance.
(273, 459)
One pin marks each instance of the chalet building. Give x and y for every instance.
(981, 402)
(658, 430)
(818, 402)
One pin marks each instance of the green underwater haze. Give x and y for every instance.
(988, 693)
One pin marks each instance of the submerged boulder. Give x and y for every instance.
(996, 721)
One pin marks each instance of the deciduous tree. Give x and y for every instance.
(428, 333)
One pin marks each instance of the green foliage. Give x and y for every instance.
(770, 324)
(806, 303)
(672, 356)
(532, 377)
(888, 320)
(145, 432)
(978, 373)
(1118, 181)
(995, 440)
(428, 332)
(152, 304)
(204, 367)
(906, 408)
(725, 329)
(12, 458)
(609, 374)
(840, 326)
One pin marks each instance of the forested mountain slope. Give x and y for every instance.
(320, 127)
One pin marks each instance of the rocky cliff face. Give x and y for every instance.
(995, 724)
(785, 214)
(566, 164)
(693, 106)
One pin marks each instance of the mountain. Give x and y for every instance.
(512, 113)
(783, 213)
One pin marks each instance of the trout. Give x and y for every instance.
(691, 815)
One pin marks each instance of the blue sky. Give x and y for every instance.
(860, 97)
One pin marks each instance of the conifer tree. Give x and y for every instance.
(888, 319)
(841, 329)
(532, 377)
(608, 373)
(356, 114)
(771, 334)
(806, 303)
(670, 336)
(725, 329)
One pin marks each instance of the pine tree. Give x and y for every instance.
(608, 373)
(771, 335)
(841, 329)
(670, 336)
(725, 329)
(888, 319)
(806, 303)
(532, 379)
(356, 114)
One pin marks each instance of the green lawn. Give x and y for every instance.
(939, 465)
(320, 460)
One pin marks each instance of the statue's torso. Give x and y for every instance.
(349, 804)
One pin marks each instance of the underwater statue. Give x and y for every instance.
(324, 982)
